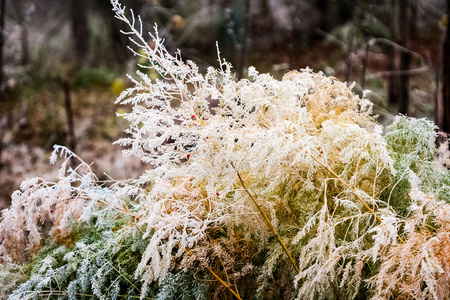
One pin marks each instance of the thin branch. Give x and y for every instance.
(267, 220)
(117, 208)
(234, 279)
(395, 45)
(218, 278)
(399, 72)
(353, 191)
(332, 38)
(223, 283)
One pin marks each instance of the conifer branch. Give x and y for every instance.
(49, 293)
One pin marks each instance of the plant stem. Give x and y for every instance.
(267, 221)
(218, 278)
(224, 284)
(353, 191)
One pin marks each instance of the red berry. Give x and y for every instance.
(188, 155)
(217, 193)
(193, 116)
(51, 210)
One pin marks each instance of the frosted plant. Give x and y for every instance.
(262, 188)
(262, 128)
(11, 276)
(97, 265)
(419, 268)
(182, 286)
(39, 201)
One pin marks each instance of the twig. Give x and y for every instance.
(332, 38)
(218, 278)
(396, 46)
(223, 283)
(353, 191)
(398, 73)
(346, 184)
(117, 208)
(267, 220)
(234, 279)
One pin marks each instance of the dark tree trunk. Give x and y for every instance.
(405, 57)
(348, 60)
(2, 24)
(446, 78)
(70, 131)
(264, 23)
(24, 43)
(325, 14)
(364, 64)
(438, 116)
(23, 15)
(326, 17)
(80, 29)
(242, 55)
(393, 81)
(119, 41)
(368, 35)
(393, 84)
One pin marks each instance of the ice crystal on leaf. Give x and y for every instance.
(259, 188)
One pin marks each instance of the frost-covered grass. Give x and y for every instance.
(259, 189)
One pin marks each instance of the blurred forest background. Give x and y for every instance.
(63, 63)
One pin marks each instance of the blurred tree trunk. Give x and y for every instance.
(446, 77)
(242, 53)
(80, 29)
(265, 23)
(325, 14)
(351, 39)
(368, 35)
(438, 106)
(119, 41)
(393, 84)
(326, 21)
(23, 16)
(393, 81)
(2, 24)
(404, 22)
(70, 129)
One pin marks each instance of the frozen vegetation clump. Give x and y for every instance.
(280, 190)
